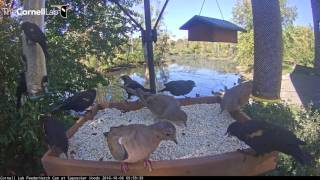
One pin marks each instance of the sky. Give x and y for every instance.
(180, 11)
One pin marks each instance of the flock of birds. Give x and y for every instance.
(135, 142)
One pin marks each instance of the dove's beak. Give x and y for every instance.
(227, 134)
(175, 141)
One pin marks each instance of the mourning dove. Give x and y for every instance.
(164, 107)
(236, 97)
(264, 137)
(135, 142)
(179, 88)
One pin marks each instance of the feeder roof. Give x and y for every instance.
(211, 22)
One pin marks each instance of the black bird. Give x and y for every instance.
(132, 84)
(34, 33)
(21, 88)
(179, 88)
(55, 134)
(78, 102)
(264, 137)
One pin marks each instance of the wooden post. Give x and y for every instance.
(36, 64)
(149, 45)
(267, 49)
(145, 55)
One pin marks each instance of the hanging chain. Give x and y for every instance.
(219, 9)
(202, 7)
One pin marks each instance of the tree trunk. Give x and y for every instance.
(267, 49)
(36, 65)
(315, 4)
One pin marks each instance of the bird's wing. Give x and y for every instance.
(144, 97)
(229, 102)
(86, 99)
(157, 103)
(140, 143)
(115, 144)
(285, 136)
(134, 85)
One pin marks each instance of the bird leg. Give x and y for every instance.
(66, 153)
(124, 167)
(147, 164)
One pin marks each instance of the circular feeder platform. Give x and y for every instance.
(230, 163)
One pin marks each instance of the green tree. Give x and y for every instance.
(298, 45)
(93, 28)
(242, 15)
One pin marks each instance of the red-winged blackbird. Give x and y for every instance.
(132, 84)
(264, 137)
(34, 33)
(179, 88)
(78, 102)
(55, 134)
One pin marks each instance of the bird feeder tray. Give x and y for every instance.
(201, 28)
(231, 163)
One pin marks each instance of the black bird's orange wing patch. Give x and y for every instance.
(255, 134)
(86, 99)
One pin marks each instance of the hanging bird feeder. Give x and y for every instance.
(201, 28)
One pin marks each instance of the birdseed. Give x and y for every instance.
(203, 136)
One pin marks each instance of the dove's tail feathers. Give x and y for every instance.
(141, 94)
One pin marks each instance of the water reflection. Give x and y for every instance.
(209, 77)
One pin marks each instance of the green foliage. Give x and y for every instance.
(95, 28)
(242, 14)
(245, 49)
(297, 40)
(161, 48)
(299, 45)
(183, 47)
(99, 32)
(303, 123)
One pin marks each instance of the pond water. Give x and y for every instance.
(209, 75)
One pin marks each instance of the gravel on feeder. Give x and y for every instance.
(203, 136)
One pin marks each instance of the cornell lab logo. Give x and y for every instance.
(8, 10)
(63, 10)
